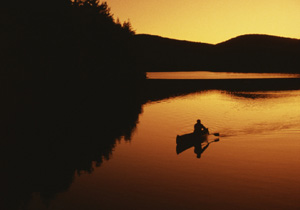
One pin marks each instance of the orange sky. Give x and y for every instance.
(210, 21)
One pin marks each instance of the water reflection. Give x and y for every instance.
(199, 149)
(199, 146)
(46, 140)
(200, 141)
(159, 89)
(259, 95)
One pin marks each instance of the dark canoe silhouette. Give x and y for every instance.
(197, 140)
(191, 138)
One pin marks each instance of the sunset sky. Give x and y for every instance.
(210, 21)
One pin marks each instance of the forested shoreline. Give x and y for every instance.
(68, 94)
(65, 41)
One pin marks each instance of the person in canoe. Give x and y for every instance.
(199, 128)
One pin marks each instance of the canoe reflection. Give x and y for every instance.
(187, 141)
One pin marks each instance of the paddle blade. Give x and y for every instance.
(216, 134)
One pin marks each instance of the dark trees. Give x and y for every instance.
(64, 40)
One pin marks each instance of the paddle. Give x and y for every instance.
(216, 140)
(215, 134)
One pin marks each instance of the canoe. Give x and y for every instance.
(191, 138)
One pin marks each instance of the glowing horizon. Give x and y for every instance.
(212, 21)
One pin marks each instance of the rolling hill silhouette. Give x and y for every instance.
(246, 53)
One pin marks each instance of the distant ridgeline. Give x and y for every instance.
(247, 53)
(79, 40)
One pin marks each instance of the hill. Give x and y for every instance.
(156, 53)
(246, 53)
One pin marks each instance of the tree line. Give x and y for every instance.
(64, 40)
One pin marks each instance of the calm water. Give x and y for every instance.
(216, 75)
(254, 165)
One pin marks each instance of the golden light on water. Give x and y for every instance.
(216, 75)
(242, 113)
(210, 21)
(254, 165)
(251, 163)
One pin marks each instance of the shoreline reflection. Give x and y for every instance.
(58, 136)
(189, 140)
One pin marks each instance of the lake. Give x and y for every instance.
(253, 164)
(216, 75)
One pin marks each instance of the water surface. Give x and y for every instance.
(254, 165)
(216, 75)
